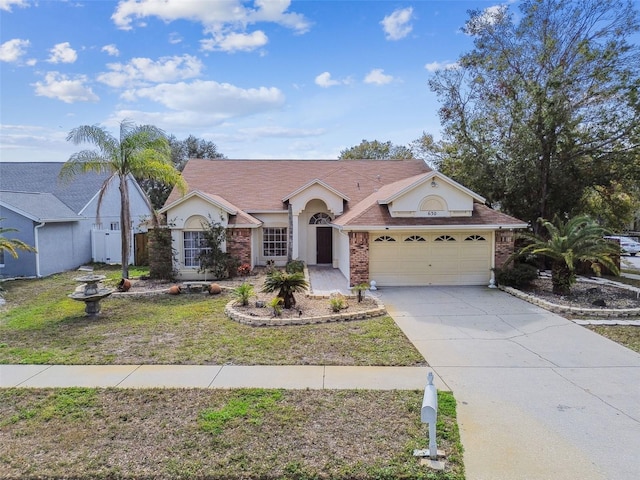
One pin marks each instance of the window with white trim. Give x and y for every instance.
(194, 244)
(274, 241)
(320, 219)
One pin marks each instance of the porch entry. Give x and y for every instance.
(324, 245)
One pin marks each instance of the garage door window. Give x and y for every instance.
(475, 238)
(385, 238)
(445, 238)
(415, 238)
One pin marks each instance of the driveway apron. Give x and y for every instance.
(539, 397)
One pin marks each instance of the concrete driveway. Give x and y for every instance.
(539, 397)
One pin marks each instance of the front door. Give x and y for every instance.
(324, 245)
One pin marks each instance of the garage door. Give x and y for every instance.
(430, 259)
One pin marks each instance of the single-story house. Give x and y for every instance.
(60, 218)
(396, 222)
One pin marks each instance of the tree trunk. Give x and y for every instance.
(125, 225)
(561, 278)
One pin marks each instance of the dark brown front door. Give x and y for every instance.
(324, 247)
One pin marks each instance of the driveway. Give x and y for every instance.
(539, 397)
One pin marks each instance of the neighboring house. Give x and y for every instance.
(59, 218)
(395, 222)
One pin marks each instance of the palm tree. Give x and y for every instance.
(568, 244)
(140, 151)
(286, 284)
(12, 245)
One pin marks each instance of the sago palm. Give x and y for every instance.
(567, 244)
(140, 151)
(286, 284)
(12, 245)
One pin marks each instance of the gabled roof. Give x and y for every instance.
(261, 185)
(316, 182)
(241, 218)
(408, 184)
(42, 177)
(39, 207)
(254, 186)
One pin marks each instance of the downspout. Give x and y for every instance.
(36, 246)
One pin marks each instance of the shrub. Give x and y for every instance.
(295, 266)
(286, 284)
(243, 293)
(337, 303)
(276, 304)
(244, 269)
(520, 275)
(359, 290)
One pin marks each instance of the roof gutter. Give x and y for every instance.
(35, 238)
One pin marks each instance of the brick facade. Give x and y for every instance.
(239, 244)
(359, 257)
(505, 244)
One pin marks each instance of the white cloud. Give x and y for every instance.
(226, 20)
(435, 66)
(12, 50)
(324, 80)
(378, 77)
(62, 53)
(217, 100)
(397, 25)
(235, 42)
(7, 4)
(111, 50)
(175, 38)
(65, 88)
(144, 70)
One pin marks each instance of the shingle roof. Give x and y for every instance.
(42, 177)
(39, 207)
(261, 185)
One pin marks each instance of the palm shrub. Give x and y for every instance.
(286, 284)
(568, 244)
(243, 293)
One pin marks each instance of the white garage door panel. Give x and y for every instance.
(459, 262)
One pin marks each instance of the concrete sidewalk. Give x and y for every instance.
(213, 376)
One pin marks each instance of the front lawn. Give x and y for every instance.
(221, 434)
(41, 325)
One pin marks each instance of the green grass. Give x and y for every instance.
(41, 325)
(221, 434)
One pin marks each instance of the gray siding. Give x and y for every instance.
(25, 264)
(63, 246)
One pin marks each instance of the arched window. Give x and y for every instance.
(320, 219)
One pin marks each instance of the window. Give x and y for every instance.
(320, 219)
(114, 226)
(274, 242)
(445, 238)
(385, 238)
(475, 238)
(415, 238)
(193, 245)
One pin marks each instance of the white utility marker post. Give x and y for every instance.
(429, 415)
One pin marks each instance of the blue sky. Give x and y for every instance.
(260, 78)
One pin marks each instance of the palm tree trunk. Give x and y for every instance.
(560, 278)
(125, 224)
